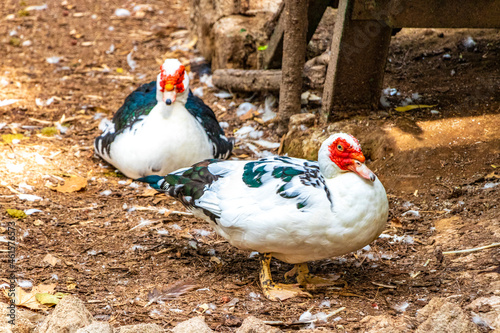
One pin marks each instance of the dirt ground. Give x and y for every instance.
(442, 184)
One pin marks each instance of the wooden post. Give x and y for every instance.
(294, 55)
(356, 69)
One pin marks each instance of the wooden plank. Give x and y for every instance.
(247, 80)
(430, 13)
(356, 69)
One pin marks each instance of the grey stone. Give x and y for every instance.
(255, 325)
(96, 327)
(193, 325)
(441, 316)
(140, 328)
(68, 316)
(26, 320)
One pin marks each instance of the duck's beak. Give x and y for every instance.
(169, 97)
(362, 170)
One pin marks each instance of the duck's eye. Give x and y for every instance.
(340, 148)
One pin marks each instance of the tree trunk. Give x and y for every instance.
(294, 55)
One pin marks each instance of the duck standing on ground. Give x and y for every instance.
(292, 209)
(162, 127)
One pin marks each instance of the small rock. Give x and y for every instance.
(442, 316)
(140, 328)
(386, 324)
(193, 325)
(306, 119)
(255, 325)
(488, 309)
(68, 316)
(96, 327)
(26, 320)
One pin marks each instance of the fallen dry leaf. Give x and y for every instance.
(28, 299)
(250, 115)
(149, 192)
(50, 259)
(73, 184)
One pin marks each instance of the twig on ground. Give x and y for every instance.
(474, 249)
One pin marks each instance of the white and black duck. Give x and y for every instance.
(292, 209)
(162, 127)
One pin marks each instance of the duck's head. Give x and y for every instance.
(172, 84)
(341, 153)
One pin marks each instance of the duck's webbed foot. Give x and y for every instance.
(306, 279)
(276, 291)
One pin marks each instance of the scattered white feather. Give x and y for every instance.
(267, 144)
(469, 43)
(53, 60)
(131, 62)
(32, 211)
(106, 192)
(223, 94)
(142, 223)
(243, 108)
(490, 185)
(434, 112)
(268, 113)
(54, 277)
(40, 7)
(29, 197)
(25, 187)
(207, 80)
(253, 254)
(6, 102)
(248, 132)
(122, 12)
(198, 92)
(390, 91)
(446, 56)
(134, 185)
(111, 28)
(254, 295)
(111, 48)
(325, 304)
(306, 316)
(137, 247)
(176, 310)
(25, 284)
(202, 233)
(401, 307)
(122, 182)
(224, 124)
(405, 239)
(62, 129)
(412, 212)
(175, 226)
(27, 43)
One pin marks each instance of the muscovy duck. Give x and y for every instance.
(292, 209)
(162, 127)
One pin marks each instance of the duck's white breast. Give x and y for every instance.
(159, 145)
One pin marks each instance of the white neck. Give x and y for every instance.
(326, 166)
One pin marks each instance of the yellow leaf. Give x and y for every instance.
(18, 214)
(48, 299)
(49, 131)
(71, 286)
(73, 184)
(412, 107)
(7, 138)
(119, 70)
